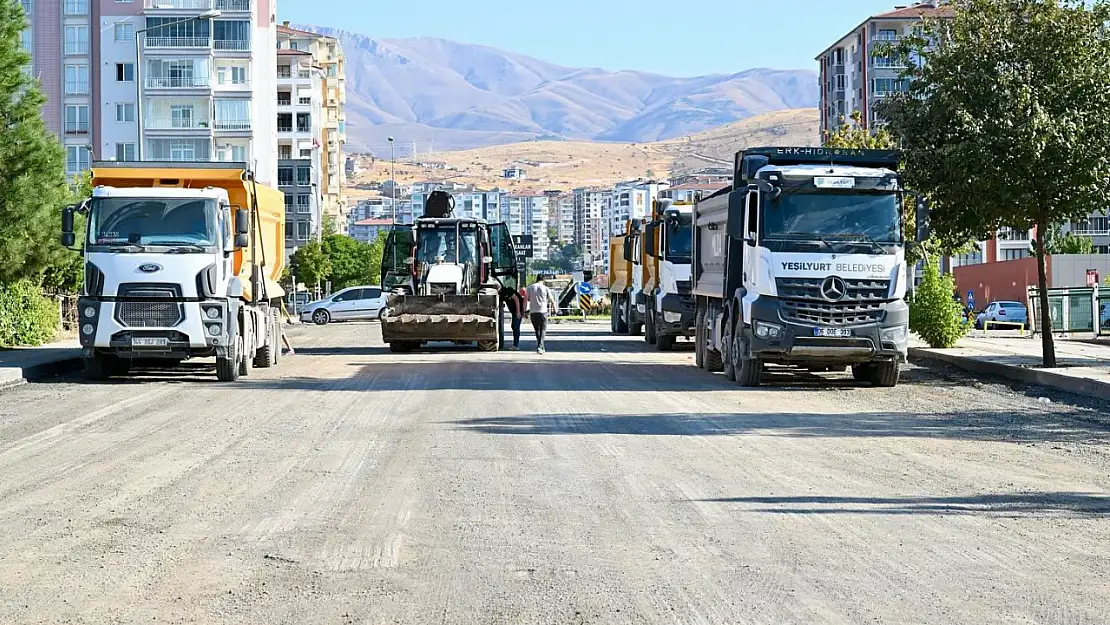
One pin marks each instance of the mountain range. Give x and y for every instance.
(456, 96)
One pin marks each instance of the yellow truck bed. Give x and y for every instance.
(620, 270)
(234, 177)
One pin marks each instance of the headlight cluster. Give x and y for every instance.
(896, 334)
(765, 330)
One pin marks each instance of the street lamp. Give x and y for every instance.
(392, 182)
(207, 15)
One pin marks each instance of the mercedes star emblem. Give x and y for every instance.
(833, 289)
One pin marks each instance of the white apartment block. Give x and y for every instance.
(203, 73)
(528, 214)
(562, 218)
(852, 79)
(588, 226)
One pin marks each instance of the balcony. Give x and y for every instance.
(233, 45)
(77, 128)
(76, 47)
(234, 125)
(880, 40)
(177, 82)
(179, 5)
(176, 42)
(233, 6)
(175, 123)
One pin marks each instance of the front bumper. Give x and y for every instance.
(191, 337)
(677, 317)
(883, 340)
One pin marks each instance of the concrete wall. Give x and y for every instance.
(1071, 269)
(1006, 280)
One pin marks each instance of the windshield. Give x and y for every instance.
(830, 215)
(144, 221)
(443, 242)
(679, 238)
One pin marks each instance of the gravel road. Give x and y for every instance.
(600, 483)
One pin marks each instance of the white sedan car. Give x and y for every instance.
(352, 303)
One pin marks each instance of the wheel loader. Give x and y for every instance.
(445, 275)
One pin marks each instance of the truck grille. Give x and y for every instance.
(435, 288)
(149, 306)
(802, 301)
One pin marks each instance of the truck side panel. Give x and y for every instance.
(620, 270)
(710, 247)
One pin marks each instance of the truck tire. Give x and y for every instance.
(402, 347)
(620, 325)
(244, 352)
(861, 373)
(613, 316)
(487, 346)
(632, 329)
(712, 358)
(884, 374)
(749, 371)
(649, 327)
(728, 360)
(664, 343)
(699, 339)
(227, 368)
(100, 367)
(264, 356)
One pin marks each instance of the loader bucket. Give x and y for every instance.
(419, 318)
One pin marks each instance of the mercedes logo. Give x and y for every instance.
(833, 289)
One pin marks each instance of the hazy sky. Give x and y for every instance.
(664, 36)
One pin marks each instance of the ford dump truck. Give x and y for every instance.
(445, 274)
(181, 261)
(667, 251)
(801, 262)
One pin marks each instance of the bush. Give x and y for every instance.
(934, 315)
(26, 316)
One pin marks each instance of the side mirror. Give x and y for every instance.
(242, 228)
(736, 218)
(68, 237)
(628, 249)
(921, 218)
(649, 238)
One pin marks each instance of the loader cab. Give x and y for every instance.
(399, 244)
(482, 251)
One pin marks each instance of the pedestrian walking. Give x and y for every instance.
(515, 302)
(541, 302)
(281, 328)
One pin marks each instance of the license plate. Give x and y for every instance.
(150, 341)
(833, 332)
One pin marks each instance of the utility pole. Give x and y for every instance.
(392, 181)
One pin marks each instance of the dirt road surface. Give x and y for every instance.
(602, 482)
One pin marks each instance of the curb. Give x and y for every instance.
(1040, 377)
(41, 370)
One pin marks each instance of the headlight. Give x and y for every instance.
(212, 313)
(90, 312)
(896, 334)
(87, 328)
(672, 317)
(767, 330)
(215, 329)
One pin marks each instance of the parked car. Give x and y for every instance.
(1003, 313)
(356, 302)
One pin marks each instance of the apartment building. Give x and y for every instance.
(311, 123)
(588, 226)
(181, 80)
(852, 79)
(368, 230)
(691, 191)
(561, 214)
(527, 213)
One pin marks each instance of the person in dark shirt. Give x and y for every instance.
(515, 302)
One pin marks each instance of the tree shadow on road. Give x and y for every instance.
(1004, 504)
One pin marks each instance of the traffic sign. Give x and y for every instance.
(584, 302)
(583, 288)
(523, 245)
(971, 298)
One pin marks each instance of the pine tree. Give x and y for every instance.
(33, 186)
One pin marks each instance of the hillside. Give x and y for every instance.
(457, 96)
(570, 164)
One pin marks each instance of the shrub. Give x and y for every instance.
(934, 315)
(26, 316)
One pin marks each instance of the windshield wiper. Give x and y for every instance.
(868, 239)
(810, 234)
(185, 248)
(126, 247)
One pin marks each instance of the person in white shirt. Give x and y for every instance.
(541, 302)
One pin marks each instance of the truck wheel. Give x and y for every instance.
(884, 374)
(487, 346)
(401, 347)
(749, 371)
(227, 368)
(699, 339)
(861, 373)
(649, 327)
(711, 357)
(98, 367)
(264, 357)
(613, 316)
(621, 324)
(727, 358)
(664, 343)
(244, 357)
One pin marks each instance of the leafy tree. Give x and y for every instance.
(377, 251)
(1058, 242)
(1005, 119)
(934, 315)
(310, 264)
(855, 135)
(350, 261)
(33, 186)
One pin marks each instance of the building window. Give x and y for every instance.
(125, 72)
(285, 176)
(306, 152)
(76, 7)
(77, 158)
(125, 152)
(285, 122)
(1014, 253)
(1009, 234)
(25, 40)
(303, 230)
(304, 203)
(76, 39)
(125, 32)
(288, 231)
(288, 203)
(285, 152)
(304, 122)
(183, 151)
(125, 112)
(77, 119)
(77, 79)
(304, 175)
(231, 34)
(233, 115)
